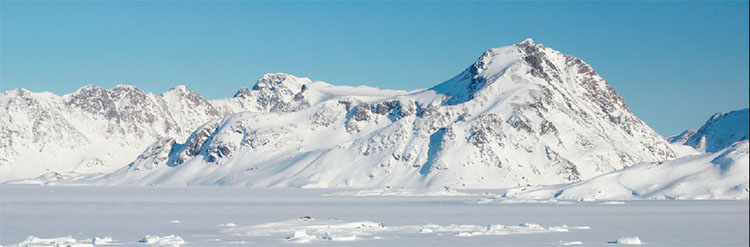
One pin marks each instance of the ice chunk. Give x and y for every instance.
(627, 241)
(102, 240)
(570, 242)
(300, 236)
(170, 240)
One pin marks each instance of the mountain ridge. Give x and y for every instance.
(720, 131)
(522, 114)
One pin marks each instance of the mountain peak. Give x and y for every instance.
(280, 80)
(527, 41)
(180, 89)
(721, 131)
(681, 137)
(125, 86)
(89, 87)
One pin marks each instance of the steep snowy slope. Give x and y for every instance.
(522, 114)
(720, 175)
(719, 132)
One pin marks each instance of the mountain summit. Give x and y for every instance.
(521, 114)
(720, 131)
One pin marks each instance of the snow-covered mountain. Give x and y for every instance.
(97, 130)
(702, 173)
(719, 132)
(719, 175)
(521, 114)
(681, 137)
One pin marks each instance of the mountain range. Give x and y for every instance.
(520, 115)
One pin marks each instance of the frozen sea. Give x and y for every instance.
(225, 216)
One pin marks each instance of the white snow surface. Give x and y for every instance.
(521, 115)
(720, 175)
(280, 217)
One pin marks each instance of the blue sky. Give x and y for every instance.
(674, 63)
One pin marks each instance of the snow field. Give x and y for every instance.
(222, 216)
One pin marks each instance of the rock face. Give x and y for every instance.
(522, 114)
(719, 132)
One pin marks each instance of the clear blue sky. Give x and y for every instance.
(675, 63)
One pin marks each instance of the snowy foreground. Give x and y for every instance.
(220, 216)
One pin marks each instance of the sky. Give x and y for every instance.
(674, 63)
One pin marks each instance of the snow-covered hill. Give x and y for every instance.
(719, 132)
(720, 175)
(522, 114)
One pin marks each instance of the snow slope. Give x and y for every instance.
(720, 175)
(522, 114)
